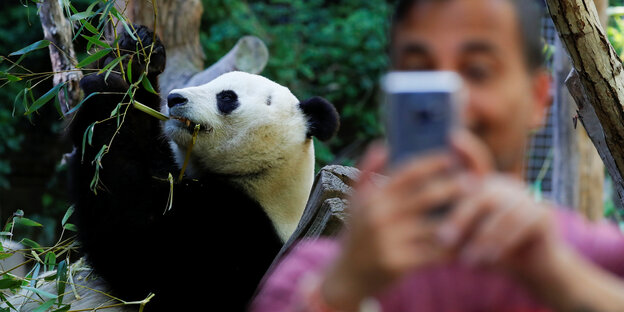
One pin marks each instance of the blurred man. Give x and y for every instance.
(498, 249)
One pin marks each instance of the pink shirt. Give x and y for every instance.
(449, 287)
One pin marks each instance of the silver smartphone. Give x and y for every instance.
(421, 109)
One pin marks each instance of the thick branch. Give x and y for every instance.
(57, 29)
(591, 123)
(250, 54)
(600, 73)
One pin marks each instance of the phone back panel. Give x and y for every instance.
(418, 122)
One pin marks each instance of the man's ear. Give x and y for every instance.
(323, 119)
(542, 98)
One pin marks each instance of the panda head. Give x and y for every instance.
(248, 124)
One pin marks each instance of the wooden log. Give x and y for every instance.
(326, 212)
(14, 263)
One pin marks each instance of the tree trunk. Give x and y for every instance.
(57, 29)
(590, 166)
(185, 57)
(600, 74)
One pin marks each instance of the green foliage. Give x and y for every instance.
(337, 51)
(15, 24)
(615, 32)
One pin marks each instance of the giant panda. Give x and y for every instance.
(202, 243)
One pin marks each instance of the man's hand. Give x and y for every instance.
(390, 230)
(498, 223)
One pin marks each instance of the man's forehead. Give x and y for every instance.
(461, 21)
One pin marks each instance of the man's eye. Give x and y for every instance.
(414, 63)
(477, 73)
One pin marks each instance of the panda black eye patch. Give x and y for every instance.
(227, 101)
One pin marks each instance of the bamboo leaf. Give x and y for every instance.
(30, 243)
(35, 274)
(44, 99)
(84, 15)
(35, 46)
(116, 110)
(40, 292)
(109, 67)
(9, 282)
(93, 39)
(75, 108)
(80, 16)
(129, 70)
(26, 222)
(64, 308)
(123, 21)
(50, 260)
(93, 57)
(70, 227)
(68, 213)
(87, 137)
(45, 306)
(148, 85)
(9, 77)
(89, 27)
(18, 97)
(61, 280)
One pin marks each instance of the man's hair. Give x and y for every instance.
(528, 13)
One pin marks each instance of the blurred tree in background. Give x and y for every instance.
(335, 49)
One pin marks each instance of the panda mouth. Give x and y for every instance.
(190, 125)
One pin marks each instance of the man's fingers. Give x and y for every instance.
(473, 152)
(416, 173)
(373, 162)
(464, 218)
(434, 195)
(493, 237)
(409, 244)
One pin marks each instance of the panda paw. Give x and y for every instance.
(145, 49)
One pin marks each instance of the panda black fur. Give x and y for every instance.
(210, 250)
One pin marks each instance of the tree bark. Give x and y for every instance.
(600, 75)
(185, 57)
(57, 29)
(590, 167)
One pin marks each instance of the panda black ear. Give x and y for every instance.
(323, 119)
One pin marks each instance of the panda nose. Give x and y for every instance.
(176, 99)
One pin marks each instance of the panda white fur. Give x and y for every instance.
(247, 182)
(251, 126)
